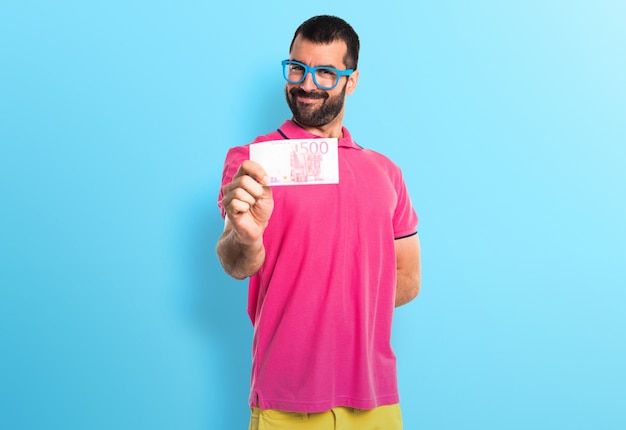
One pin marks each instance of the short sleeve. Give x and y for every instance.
(404, 218)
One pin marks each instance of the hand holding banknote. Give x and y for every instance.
(248, 202)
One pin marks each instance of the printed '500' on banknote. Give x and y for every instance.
(298, 161)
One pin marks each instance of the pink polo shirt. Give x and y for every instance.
(323, 301)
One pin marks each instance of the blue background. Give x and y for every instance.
(507, 118)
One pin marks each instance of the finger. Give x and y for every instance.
(239, 194)
(246, 184)
(254, 170)
(236, 207)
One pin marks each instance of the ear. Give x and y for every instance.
(353, 80)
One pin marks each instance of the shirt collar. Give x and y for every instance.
(294, 131)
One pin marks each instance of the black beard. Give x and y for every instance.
(315, 117)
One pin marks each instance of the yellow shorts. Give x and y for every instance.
(340, 418)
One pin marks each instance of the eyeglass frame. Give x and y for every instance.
(312, 70)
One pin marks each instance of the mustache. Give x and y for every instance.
(299, 92)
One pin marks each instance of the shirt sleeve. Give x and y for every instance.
(404, 218)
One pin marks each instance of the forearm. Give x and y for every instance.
(240, 260)
(408, 269)
(407, 288)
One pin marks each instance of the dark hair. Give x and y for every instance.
(325, 29)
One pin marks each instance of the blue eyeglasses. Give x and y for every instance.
(324, 77)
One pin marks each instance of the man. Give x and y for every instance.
(326, 262)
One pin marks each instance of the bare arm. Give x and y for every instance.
(408, 268)
(248, 203)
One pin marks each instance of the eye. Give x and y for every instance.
(296, 68)
(329, 73)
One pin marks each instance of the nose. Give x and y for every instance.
(308, 84)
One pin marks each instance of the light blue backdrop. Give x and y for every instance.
(507, 118)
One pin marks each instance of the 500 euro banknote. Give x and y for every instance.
(298, 161)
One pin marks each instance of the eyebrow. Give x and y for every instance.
(323, 65)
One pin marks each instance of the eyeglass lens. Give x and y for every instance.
(323, 77)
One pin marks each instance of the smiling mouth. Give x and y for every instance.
(307, 100)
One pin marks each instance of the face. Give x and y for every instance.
(310, 105)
